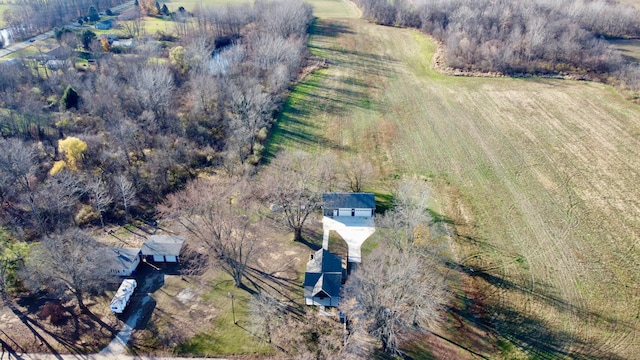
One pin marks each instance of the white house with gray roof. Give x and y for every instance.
(323, 279)
(122, 261)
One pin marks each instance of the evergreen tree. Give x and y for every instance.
(69, 99)
(93, 14)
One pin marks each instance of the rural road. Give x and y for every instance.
(21, 45)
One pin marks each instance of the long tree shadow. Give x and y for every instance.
(28, 323)
(271, 283)
(6, 347)
(531, 334)
(328, 28)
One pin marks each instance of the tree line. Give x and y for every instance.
(521, 37)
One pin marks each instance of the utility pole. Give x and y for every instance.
(233, 309)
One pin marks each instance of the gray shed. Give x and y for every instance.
(162, 248)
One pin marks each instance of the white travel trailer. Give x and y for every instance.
(123, 295)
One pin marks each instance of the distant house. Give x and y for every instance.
(103, 25)
(162, 248)
(348, 204)
(56, 64)
(110, 37)
(123, 43)
(122, 261)
(323, 279)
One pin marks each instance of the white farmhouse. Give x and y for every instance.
(121, 261)
(323, 279)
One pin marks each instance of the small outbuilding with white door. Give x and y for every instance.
(348, 204)
(162, 248)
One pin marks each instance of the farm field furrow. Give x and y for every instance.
(547, 172)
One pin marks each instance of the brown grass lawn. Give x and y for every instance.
(541, 177)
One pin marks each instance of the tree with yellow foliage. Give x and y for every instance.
(73, 150)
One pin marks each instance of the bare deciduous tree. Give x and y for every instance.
(131, 23)
(17, 168)
(410, 219)
(155, 86)
(126, 193)
(217, 216)
(357, 172)
(393, 293)
(59, 198)
(293, 185)
(70, 261)
(100, 196)
(266, 314)
(250, 109)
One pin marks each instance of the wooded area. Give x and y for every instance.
(86, 146)
(522, 38)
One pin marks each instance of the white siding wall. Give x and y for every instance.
(321, 302)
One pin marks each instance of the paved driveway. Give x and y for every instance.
(353, 229)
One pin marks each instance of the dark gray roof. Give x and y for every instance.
(349, 200)
(121, 258)
(324, 273)
(329, 283)
(163, 245)
(323, 261)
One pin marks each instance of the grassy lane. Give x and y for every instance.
(540, 175)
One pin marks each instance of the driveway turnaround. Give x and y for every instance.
(353, 229)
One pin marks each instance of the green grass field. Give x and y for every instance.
(540, 176)
(227, 338)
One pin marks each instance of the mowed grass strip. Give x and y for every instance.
(544, 171)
